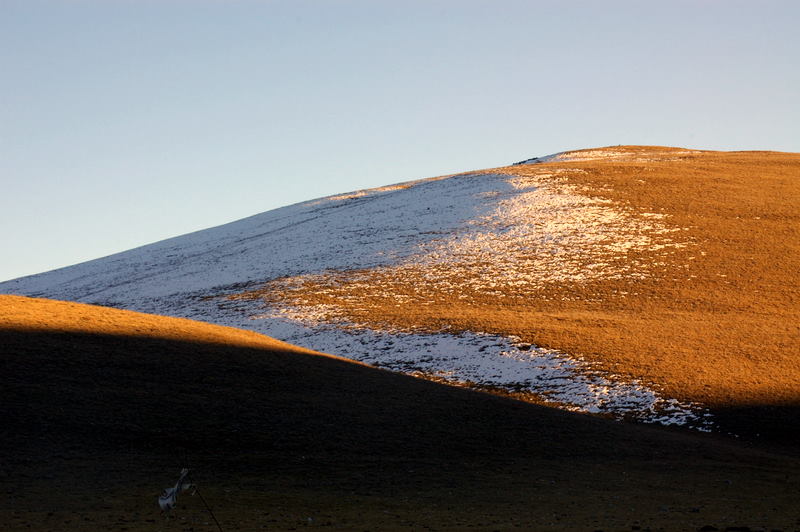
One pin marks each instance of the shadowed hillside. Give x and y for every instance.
(101, 408)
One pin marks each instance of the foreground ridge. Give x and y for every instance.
(276, 435)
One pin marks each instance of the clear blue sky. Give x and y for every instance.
(127, 122)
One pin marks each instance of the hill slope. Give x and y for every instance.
(680, 268)
(102, 408)
(651, 281)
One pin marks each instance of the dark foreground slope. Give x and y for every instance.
(102, 408)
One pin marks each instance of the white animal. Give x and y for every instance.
(169, 498)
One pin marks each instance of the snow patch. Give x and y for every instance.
(486, 361)
(520, 232)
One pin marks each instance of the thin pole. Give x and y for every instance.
(197, 491)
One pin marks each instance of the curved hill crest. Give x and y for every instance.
(661, 280)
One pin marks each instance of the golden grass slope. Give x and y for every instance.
(711, 313)
(101, 408)
(30, 314)
(719, 321)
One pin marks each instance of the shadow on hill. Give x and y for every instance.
(297, 431)
(144, 392)
(107, 391)
(772, 425)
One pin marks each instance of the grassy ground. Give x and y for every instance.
(101, 409)
(716, 322)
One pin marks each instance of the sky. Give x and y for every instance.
(125, 122)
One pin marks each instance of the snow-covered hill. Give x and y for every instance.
(490, 228)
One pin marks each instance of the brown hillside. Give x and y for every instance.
(48, 316)
(101, 409)
(714, 319)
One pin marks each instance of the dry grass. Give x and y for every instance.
(100, 410)
(715, 320)
(49, 316)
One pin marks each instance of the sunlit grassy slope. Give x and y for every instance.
(709, 313)
(102, 407)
